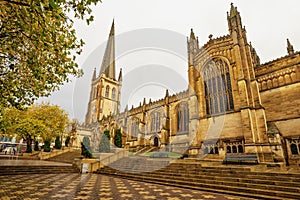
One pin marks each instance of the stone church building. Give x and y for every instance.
(233, 104)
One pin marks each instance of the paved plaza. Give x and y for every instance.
(92, 186)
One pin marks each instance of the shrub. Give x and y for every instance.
(104, 145)
(47, 143)
(67, 141)
(86, 150)
(57, 143)
(118, 138)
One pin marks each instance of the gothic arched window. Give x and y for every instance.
(152, 122)
(183, 118)
(113, 93)
(217, 87)
(155, 121)
(134, 128)
(107, 91)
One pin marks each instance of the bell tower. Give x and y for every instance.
(105, 89)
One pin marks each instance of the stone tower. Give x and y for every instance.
(222, 79)
(105, 89)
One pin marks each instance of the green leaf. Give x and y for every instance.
(39, 42)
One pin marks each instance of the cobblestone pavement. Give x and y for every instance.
(92, 186)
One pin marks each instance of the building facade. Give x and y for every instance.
(233, 103)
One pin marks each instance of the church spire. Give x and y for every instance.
(233, 11)
(167, 93)
(192, 35)
(193, 46)
(290, 47)
(255, 57)
(94, 74)
(234, 21)
(108, 62)
(120, 75)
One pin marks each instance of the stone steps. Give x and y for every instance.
(224, 177)
(67, 157)
(233, 182)
(247, 190)
(13, 170)
(138, 164)
(230, 180)
(252, 175)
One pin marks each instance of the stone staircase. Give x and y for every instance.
(67, 157)
(14, 170)
(234, 180)
(138, 164)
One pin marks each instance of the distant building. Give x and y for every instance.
(233, 104)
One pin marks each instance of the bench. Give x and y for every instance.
(241, 158)
(159, 155)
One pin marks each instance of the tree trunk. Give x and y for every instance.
(29, 148)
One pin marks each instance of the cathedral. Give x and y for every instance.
(233, 104)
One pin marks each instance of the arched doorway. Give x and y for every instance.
(155, 141)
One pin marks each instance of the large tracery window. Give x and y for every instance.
(183, 118)
(217, 87)
(155, 122)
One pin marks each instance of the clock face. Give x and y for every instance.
(94, 108)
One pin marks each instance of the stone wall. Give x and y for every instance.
(282, 103)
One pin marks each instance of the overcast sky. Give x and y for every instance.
(268, 23)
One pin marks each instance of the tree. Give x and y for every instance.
(29, 129)
(67, 141)
(36, 146)
(57, 143)
(8, 119)
(44, 120)
(47, 143)
(38, 47)
(52, 116)
(86, 150)
(104, 145)
(19, 122)
(118, 138)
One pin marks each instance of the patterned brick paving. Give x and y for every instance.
(92, 186)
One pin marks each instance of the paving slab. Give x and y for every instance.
(94, 186)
